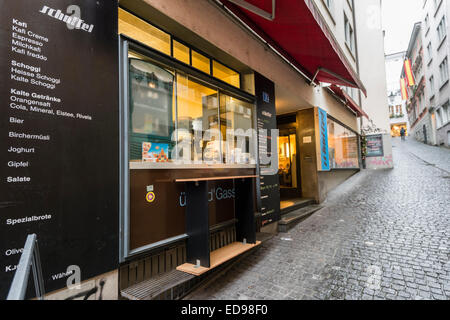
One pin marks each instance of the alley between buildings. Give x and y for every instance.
(382, 235)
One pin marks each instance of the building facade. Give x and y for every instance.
(418, 104)
(434, 33)
(428, 109)
(189, 92)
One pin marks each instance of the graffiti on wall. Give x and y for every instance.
(386, 161)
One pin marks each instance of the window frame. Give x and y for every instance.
(127, 44)
(197, 75)
(349, 34)
(358, 137)
(443, 70)
(189, 46)
(330, 9)
(441, 31)
(173, 63)
(443, 114)
(430, 52)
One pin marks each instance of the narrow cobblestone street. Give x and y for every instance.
(382, 235)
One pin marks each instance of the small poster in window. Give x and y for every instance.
(155, 152)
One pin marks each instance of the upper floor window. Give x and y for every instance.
(430, 51)
(439, 121)
(448, 111)
(436, 4)
(349, 34)
(443, 71)
(329, 4)
(442, 29)
(352, 92)
(432, 85)
(445, 116)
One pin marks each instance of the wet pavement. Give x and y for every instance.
(382, 235)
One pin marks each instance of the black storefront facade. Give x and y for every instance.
(113, 160)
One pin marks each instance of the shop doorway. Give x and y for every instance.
(289, 164)
(396, 128)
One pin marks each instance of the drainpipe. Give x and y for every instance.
(362, 161)
(357, 57)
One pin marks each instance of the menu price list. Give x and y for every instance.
(269, 202)
(32, 90)
(29, 99)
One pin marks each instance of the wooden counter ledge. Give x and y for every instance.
(218, 257)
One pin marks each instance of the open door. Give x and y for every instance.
(289, 164)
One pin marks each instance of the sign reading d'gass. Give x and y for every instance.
(59, 136)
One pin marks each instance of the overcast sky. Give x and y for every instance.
(398, 18)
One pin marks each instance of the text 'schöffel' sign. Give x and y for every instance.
(59, 136)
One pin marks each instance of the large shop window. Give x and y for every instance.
(170, 110)
(343, 147)
(237, 116)
(151, 111)
(197, 113)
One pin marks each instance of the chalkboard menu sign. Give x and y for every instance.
(375, 146)
(59, 136)
(269, 193)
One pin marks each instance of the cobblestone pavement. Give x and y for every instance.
(437, 156)
(382, 235)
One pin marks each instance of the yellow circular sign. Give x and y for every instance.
(150, 197)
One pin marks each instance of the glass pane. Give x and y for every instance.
(151, 111)
(343, 146)
(201, 62)
(226, 74)
(144, 32)
(236, 115)
(197, 112)
(181, 52)
(287, 160)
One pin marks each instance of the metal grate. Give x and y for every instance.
(151, 288)
(155, 277)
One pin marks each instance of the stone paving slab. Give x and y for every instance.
(382, 235)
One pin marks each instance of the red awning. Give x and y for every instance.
(348, 101)
(300, 34)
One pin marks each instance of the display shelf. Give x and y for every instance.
(197, 215)
(214, 178)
